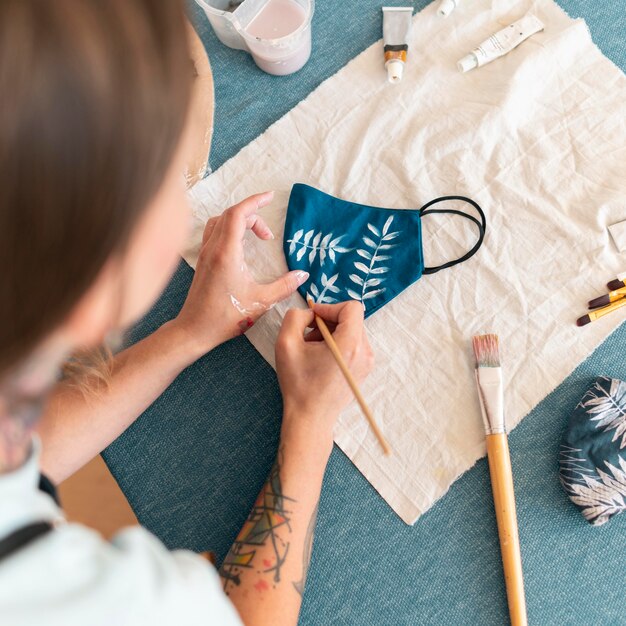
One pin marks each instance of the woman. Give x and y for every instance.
(93, 101)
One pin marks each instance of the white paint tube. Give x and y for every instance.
(502, 42)
(396, 28)
(446, 7)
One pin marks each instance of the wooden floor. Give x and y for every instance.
(92, 497)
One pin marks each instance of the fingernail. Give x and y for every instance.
(301, 277)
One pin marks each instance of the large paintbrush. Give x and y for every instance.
(491, 396)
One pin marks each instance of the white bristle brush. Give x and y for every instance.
(491, 397)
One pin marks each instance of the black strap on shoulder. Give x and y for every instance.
(45, 485)
(22, 537)
(482, 227)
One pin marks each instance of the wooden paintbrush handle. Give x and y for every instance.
(330, 342)
(334, 348)
(504, 502)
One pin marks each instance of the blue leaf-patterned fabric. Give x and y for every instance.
(592, 457)
(351, 251)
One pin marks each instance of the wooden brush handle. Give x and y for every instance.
(504, 502)
(334, 348)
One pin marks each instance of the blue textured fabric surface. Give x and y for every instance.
(192, 465)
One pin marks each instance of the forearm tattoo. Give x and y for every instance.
(308, 550)
(267, 524)
(20, 409)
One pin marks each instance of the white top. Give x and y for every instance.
(71, 576)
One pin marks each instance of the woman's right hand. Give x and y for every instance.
(313, 387)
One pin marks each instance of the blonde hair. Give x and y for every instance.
(90, 371)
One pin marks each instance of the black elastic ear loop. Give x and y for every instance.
(482, 227)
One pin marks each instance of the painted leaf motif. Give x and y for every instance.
(323, 247)
(330, 284)
(369, 274)
(599, 495)
(608, 408)
(294, 240)
(391, 236)
(313, 243)
(373, 294)
(374, 229)
(387, 225)
(366, 282)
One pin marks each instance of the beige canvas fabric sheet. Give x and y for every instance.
(538, 138)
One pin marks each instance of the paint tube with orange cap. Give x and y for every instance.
(396, 28)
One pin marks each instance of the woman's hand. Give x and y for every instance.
(313, 387)
(224, 300)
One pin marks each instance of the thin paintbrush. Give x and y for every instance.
(592, 316)
(606, 299)
(617, 283)
(330, 342)
(491, 397)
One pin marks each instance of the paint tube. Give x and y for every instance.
(446, 7)
(502, 42)
(396, 27)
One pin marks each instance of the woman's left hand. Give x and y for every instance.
(224, 299)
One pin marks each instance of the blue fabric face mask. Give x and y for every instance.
(358, 252)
